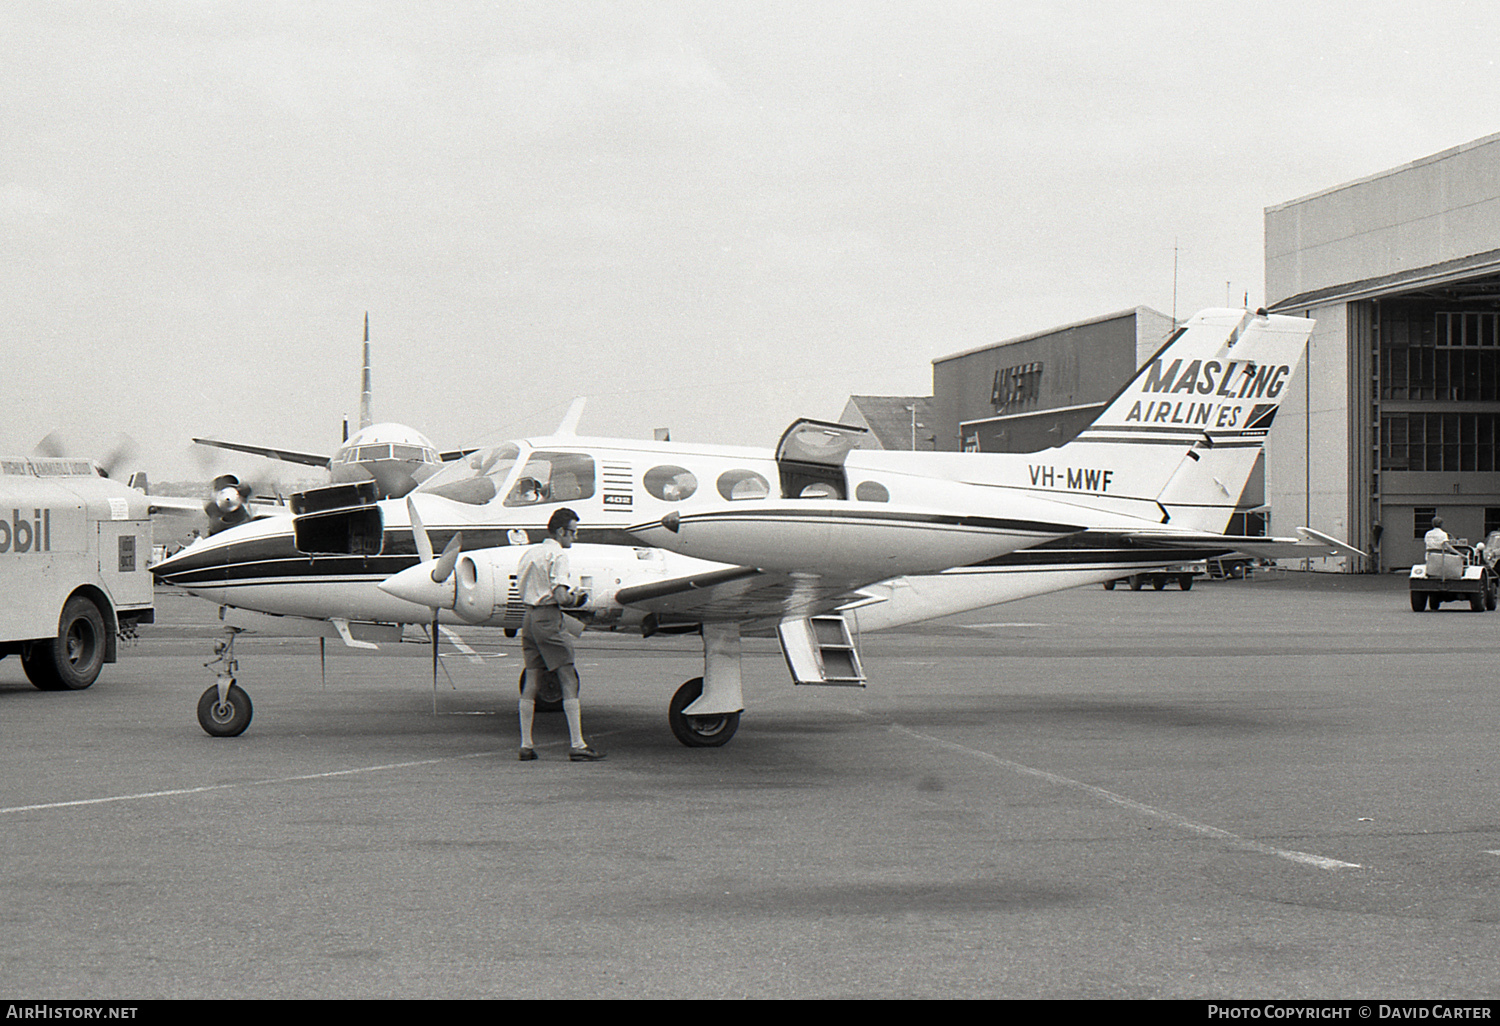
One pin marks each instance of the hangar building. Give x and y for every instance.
(1395, 415)
(1037, 391)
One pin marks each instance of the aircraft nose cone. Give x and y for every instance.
(415, 584)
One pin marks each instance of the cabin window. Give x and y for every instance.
(553, 477)
(670, 484)
(872, 491)
(743, 484)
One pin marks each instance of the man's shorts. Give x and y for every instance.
(545, 641)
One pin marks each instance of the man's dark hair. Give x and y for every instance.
(560, 519)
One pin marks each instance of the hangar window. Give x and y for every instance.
(1443, 355)
(872, 491)
(743, 484)
(1421, 520)
(671, 484)
(1440, 442)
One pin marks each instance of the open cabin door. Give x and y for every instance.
(810, 457)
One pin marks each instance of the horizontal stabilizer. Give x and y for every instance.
(1308, 544)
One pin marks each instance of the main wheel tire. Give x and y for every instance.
(699, 731)
(229, 719)
(72, 660)
(549, 696)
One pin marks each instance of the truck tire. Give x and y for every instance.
(1418, 601)
(72, 660)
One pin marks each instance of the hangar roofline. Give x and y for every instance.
(1419, 162)
(1401, 281)
(1050, 331)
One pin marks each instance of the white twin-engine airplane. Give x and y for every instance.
(807, 541)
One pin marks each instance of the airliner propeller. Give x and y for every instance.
(123, 453)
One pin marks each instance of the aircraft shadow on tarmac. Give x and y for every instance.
(1085, 713)
(983, 896)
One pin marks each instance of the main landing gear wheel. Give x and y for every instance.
(228, 718)
(699, 731)
(72, 660)
(549, 695)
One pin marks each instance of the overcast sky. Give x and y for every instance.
(712, 216)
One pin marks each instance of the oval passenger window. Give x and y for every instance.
(670, 484)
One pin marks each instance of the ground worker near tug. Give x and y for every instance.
(542, 578)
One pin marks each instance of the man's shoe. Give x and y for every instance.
(584, 754)
(526, 754)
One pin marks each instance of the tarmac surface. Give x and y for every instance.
(1278, 788)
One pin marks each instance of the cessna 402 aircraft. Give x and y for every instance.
(801, 542)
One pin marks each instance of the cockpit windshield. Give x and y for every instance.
(477, 477)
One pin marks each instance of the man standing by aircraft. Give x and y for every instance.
(542, 577)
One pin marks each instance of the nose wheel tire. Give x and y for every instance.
(699, 731)
(549, 696)
(228, 718)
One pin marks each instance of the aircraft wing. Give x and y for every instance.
(1307, 544)
(310, 459)
(755, 599)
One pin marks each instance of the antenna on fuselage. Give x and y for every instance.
(569, 425)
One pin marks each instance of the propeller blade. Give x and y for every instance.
(52, 444)
(419, 533)
(446, 561)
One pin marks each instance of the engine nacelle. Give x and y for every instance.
(484, 588)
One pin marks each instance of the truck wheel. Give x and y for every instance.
(72, 660)
(1109, 585)
(1418, 601)
(1136, 582)
(1476, 602)
(1185, 582)
(1158, 583)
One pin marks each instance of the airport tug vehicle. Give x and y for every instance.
(1454, 577)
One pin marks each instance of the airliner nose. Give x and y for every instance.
(415, 584)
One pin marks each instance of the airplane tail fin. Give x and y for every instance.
(1187, 430)
(365, 416)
